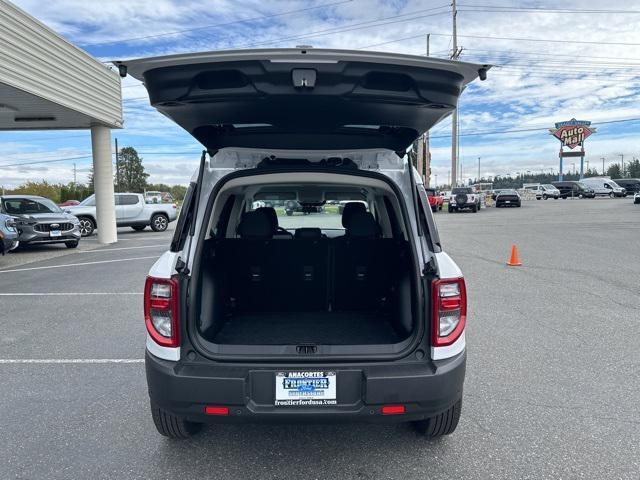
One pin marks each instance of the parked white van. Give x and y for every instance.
(605, 186)
(543, 192)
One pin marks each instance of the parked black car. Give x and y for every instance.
(573, 188)
(631, 185)
(508, 198)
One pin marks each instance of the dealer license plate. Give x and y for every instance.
(508, 201)
(305, 388)
(55, 233)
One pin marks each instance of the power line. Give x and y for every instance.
(543, 40)
(66, 159)
(532, 129)
(508, 8)
(216, 25)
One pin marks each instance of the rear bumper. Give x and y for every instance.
(425, 389)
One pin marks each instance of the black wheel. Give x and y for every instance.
(87, 226)
(139, 228)
(539, 198)
(72, 244)
(581, 196)
(544, 197)
(440, 207)
(171, 426)
(474, 209)
(450, 209)
(289, 213)
(611, 195)
(444, 423)
(159, 222)
(434, 209)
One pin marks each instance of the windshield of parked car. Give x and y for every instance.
(461, 190)
(29, 206)
(89, 201)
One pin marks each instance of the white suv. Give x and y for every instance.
(255, 315)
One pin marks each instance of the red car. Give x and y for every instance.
(69, 203)
(435, 200)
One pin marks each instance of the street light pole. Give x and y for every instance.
(602, 158)
(478, 169)
(622, 172)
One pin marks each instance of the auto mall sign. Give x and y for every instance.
(573, 132)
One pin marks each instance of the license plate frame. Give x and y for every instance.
(55, 233)
(305, 388)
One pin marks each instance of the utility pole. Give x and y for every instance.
(602, 158)
(622, 172)
(478, 169)
(117, 168)
(427, 150)
(454, 117)
(75, 177)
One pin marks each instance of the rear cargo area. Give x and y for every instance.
(320, 291)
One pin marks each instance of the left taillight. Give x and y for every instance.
(449, 297)
(161, 312)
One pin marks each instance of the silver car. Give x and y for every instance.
(8, 234)
(39, 220)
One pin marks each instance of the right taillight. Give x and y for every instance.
(449, 311)
(161, 313)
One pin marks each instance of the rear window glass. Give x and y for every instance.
(461, 190)
(293, 214)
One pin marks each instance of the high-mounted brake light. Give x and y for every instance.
(449, 311)
(161, 313)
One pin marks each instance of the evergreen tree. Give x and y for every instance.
(131, 174)
(614, 171)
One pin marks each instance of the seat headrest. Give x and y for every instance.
(270, 212)
(256, 225)
(349, 209)
(363, 225)
(308, 232)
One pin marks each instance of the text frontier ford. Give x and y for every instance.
(253, 315)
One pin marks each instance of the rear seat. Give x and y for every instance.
(365, 265)
(310, 272)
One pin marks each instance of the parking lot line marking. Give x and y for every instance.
(121, 248)
(77, 264)
(67, 361)
(53, 294)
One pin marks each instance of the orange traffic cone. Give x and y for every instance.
(514, 261)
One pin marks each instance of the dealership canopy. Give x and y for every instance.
(47, 83)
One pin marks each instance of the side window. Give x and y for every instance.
(118, 199)
(129, 200)
(184, 220)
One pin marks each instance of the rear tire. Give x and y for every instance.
(544, 197)
(139, 228)
(72, 244)
(450, 209)
(87, 226)
(159, 222)
(171, 426)
(474, 209)
(611, 195)
(444, 423)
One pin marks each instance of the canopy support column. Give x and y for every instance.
(103, 184)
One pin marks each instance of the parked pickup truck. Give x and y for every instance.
(131, 211)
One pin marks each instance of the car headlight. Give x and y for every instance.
(10, 225)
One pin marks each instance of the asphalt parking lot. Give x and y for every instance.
(552, 389)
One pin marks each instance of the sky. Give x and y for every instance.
(553, 61)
